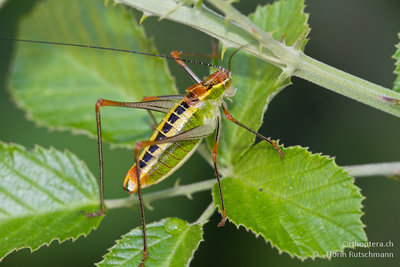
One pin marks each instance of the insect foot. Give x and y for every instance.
(222, 222)
(93, 214)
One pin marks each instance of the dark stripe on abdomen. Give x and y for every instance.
(172, 118)
(147, 156)
(185, 105)
(142, 164)
(160, 136)
(165, 129)
(153, 148)
(181, 108)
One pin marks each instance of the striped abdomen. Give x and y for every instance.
(157, 162)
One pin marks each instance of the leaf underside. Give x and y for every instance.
(171, 242)
(41, 194)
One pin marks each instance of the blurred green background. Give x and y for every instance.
(355, 36)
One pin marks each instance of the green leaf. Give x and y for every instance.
(304, 204)
(397, 71)
(58, 86)
(171, 242)
(41, 194)
(257, 82)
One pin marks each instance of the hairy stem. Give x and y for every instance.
(236, 30)
(348, 85)
(374, 169)
(365, 170)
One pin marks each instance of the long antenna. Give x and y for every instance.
(113, 49)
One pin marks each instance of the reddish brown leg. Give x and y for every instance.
(160, 104)
(163, 97)
(214, 157)
(192, 134)
(213, 55)
(175, 54)
(139, 146)
(101, 212)
(101, 103)
(232, 119)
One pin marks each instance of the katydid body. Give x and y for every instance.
(189, 118)
(189, 121)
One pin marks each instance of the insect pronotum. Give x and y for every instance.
(189, 118)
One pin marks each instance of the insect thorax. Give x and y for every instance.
(213, 88)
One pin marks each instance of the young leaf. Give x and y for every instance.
(257, 82)
(397, 71)
(304, 204)
(171, 242)
(59, 85)
(41, 194)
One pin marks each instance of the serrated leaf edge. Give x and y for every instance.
(47, 244)
(160, 221)
(37, 148)
(302, 40)
(314, 155)
(198, 244)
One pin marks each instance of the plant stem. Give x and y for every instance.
(374, 169)
(347, 84)
(182, 190)
(242, 32)
(203, 219)
(364, 170)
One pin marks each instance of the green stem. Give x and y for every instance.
(365, 170)
(203, 219)
(182, 190)
(374, 169)
(347, 84)
(242, 32)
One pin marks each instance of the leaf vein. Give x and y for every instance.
(30, 181)
(283, 199)
(57, 172)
